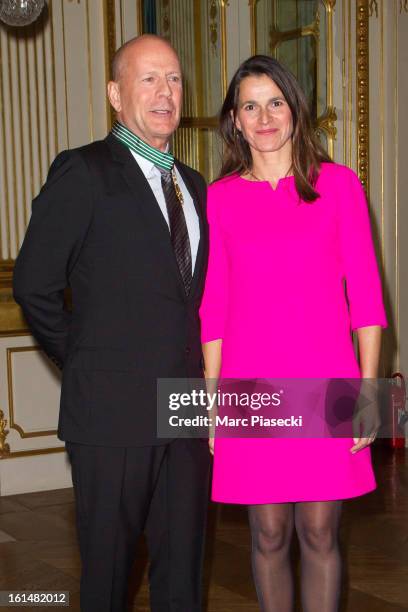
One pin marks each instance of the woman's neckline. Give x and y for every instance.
(281, 180)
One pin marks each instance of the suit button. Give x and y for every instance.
(188, 350)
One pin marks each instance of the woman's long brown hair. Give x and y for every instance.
(307, 152)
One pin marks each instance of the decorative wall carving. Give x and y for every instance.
(4, 446)
(110, 48)
(303, 30)
(373, 8)
(362, 92)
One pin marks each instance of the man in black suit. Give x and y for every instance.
(123, 226)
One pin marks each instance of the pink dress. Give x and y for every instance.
(275, 294)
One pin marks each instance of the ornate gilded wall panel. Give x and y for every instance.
(362, 92)
(29, 398)
(299, 33)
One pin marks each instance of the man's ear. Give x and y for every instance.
(114, 95)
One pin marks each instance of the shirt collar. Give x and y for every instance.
(147, 167)
(162, 159)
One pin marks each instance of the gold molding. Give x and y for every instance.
(362, 93)
(12, 322)
(3, 159)
(106, 26)
(64, 46)
(139, 17)
(37, 85)
(223, 19)
(11, 153)
(13, 423)
(276, 36)
(166, 19)
(90, 78)
(6, 453)
(6, 272)
(213, 25)
(110, 48)
(14, 333)
(326, 123)
(199, 98)
(329, 116)
(35, 451)
(46, 88)
(4, 446)
(121, 22)
(404, 6)
(23, 169)
(254, 40)
(199, 122)
(54, 90)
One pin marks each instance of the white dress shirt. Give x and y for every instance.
(153, 177)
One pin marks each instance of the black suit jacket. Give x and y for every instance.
(96, 227)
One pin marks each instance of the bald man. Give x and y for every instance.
(122, 223)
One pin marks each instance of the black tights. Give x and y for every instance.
(316, 525)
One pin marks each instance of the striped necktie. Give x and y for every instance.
(178, 226)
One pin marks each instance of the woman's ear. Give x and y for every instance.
(235, 121)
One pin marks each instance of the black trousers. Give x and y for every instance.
(119, 493)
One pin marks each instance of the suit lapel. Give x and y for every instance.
(148, 206)
(147, 203)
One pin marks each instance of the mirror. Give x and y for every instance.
(297, 33)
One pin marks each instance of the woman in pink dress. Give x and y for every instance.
(292, 272)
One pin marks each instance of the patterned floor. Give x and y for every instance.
(38, 548)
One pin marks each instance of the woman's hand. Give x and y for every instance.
(360, 443)
(368, 418)
(212, 365)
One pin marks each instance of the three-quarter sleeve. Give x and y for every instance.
(363, 284)
(214, 303)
